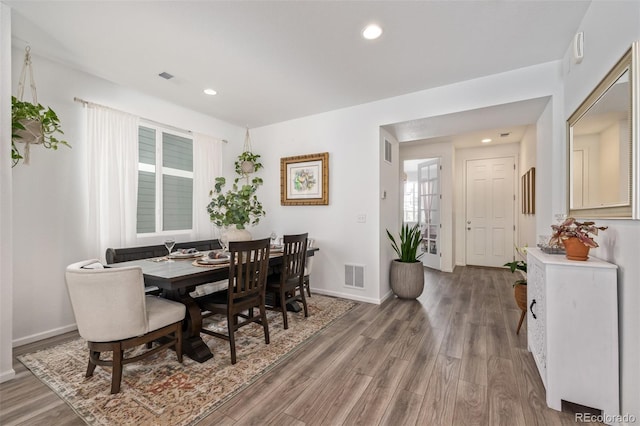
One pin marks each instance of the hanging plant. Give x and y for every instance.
(247, 163)
(239, 205)
(32, 123)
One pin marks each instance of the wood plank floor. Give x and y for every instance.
(450, 358)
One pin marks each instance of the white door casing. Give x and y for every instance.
(490, 210)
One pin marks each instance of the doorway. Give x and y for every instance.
(490, 210)
(422, 205)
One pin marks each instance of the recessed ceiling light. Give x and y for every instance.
(210, 92)
(487, 140)
(372, 32)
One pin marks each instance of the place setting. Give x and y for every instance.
(213, 258)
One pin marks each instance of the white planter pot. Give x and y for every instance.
(234, 234)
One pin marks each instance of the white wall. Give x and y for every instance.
(527, 222)
(390, 207)
(6, 223)
(609, 29)
(49, 203)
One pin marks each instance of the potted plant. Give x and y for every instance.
(406, 276)
(520, 286)
(239, 206)
(577, 237)
(33, 124)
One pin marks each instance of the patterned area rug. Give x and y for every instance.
(161, 391)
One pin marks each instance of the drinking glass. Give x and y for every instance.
(169, 243)
(273, 237)
(224, 242)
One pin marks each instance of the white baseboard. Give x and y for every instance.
(345, 296)
(389, 295)
(5, 376)
(44, 335)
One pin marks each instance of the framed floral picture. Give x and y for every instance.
(304, 180)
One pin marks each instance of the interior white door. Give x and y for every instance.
(429, 211)
(490, 208)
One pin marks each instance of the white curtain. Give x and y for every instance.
(112, 161)
(207, 165)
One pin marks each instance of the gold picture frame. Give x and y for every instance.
(304, 180)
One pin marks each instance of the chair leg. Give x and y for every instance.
(265, 324)
(231, 320)
(116, 375)
(304, 302)
(307, 283)
(92, 366)
(178, 345)
(520, 322)
(283, 306)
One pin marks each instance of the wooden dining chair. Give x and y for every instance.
(288, 286)
(113, 314)
(248, 269)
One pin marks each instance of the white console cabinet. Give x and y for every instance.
(572, 324)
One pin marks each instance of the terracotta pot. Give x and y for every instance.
(575, 249)
(520, 294)
(406, 279)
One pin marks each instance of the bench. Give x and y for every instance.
(146, 252)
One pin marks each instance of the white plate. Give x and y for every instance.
(209, 261)
(276, 249)
(178, 255)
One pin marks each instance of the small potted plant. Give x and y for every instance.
(406, 276)
(239, 206)
(33, 124)
(520, 286)
(577, 237)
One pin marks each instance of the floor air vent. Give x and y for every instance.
(354, 276)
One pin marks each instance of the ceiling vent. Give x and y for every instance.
(504, 135)
(166, 75)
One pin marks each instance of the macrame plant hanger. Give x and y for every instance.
(33, 128)
(247, 167)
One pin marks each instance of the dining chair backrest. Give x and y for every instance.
(248, 268)
(109, 304)
(294, 257)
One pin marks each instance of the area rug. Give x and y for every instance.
(161, 391)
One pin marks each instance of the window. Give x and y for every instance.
(165, 180)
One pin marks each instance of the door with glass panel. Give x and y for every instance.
(429, 211)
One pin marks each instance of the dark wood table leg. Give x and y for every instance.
(192, 344)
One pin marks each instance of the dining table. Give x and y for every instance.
(178, 277)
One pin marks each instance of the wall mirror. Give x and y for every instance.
(603, 146)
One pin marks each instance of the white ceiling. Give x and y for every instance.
(273, 61)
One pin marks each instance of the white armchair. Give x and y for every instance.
(113, 314)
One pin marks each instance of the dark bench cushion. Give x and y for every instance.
(136, 253)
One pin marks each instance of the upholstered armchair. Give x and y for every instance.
(114, 314)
